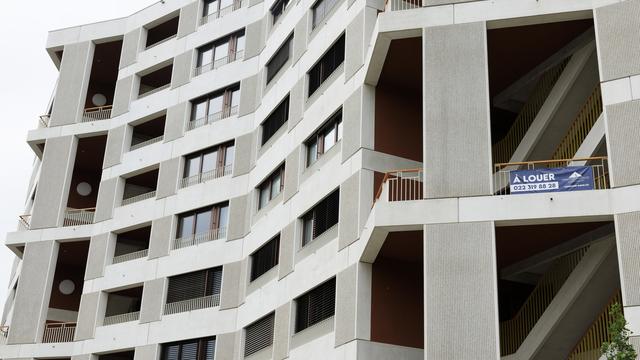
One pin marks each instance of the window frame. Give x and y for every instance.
(227, 103)
(334, 122)
(327, 6)
(269, 319)
(270, 120)
(208, 287)
(232, 49)
(328, 63)
(214, 220)
(271, 73)
(319, 291)
(267, 185)
(311, 219)
(201, 346)
(222, 151)
(277, 10)
(273, 258)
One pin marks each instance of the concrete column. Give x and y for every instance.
(456, 101)
(292, 172)
(84, 357)
(115, 146)
(355, 42)
(98, 256)
(228, 346)
(300, 38)
(34, 290)
(622, 132)
(296, 104)
(153, 297)
(168, 178)
(55, 179)
(345, 318)
(618, 39)
(182, 69)
(255, 34)
(230, 296)
(188, 19)
(282, 332)
(627, 241)
(73, 83)
(123, 95)
(238, 217)
(175, 121)
(249, 95)
(161, 236)
(460, 292)
(287, 250)
(147, 352)
(107, 199)
(356, 197)
(130, 47)
(91, 314)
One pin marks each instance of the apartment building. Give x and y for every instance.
(326, 179)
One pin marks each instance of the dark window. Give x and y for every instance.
(265, 258)
(203, 221)
(277, 9)
(196, 349)
(259, 335)
(164, 31)
(215, 106)
(208, 164)
(275, 120)
(194, 285)
(220, 52)
(320, 10)
(316, 305)
(329, 62)
(271, 187)
(278, 60)
(321, 218)
(324, 139)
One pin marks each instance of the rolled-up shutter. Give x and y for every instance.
(259, 335)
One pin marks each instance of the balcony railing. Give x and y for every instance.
(44, 120)
(121, 318)
(581, 126)
(401, 185)
(24, 222)
(222, 12)
(135, 199)
(97, 113)
(153, 91)
(197, 239)
(210, 119)
(218, 63)
(396, 5)
(192, 304)
(206, 176)
(146, 142)
(58, 333)
(598, 165)
(75, 217)
(130, 256)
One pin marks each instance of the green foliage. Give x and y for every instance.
(619, 348)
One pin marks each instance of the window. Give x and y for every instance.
(213, 9)
(259, 335)
(220, 52)
(316, 305)
(216, 106)
(275, 120)
(320, 11)
(208, 164)
(321, 218)
(323, 140)
(196, 349)
(278, 59)
(199, 223)
(162, 32)
(265, 258)
(194, 285)
(330, 61)
(271, 187)
(278, 8)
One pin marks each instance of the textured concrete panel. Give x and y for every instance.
(161, 236)
(153, 296)
(282, 332)
(255, 34)
(188, 19)
(460, 284)
(73, 81)
(296, 104)
(346, 285)
(291, 172)
(300, 38)
(106, 200)
(228, 346)
(82, 357)
(618, 39)
(97, 258)
(623, 132)
(147, 352)
(182, 68)
(175, 121)
(249, 88)
(244, 151)
(238, 217)
(287, 250)
(34, 289)
(231, 279)
(456, 102)
(115, 146)
(168, 178)
(55, 179)
(87, 316)
(122, 96)
(354, 45)
(628, 242)
(349, 206)
(130, 47)
(351, 122)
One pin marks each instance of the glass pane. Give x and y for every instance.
(229, 155)
(223, 221)
(204, 56)
(276, 183)
(203, 222)
(340, 130)
(329, 138)
(222, 51)
(215, 105)
(240, 43)
(185, 226)
(312, 152)
(264, 196)
(192, 167)
(225, 3)
(199, 110)
(210, 7)
(235, 98)
(209, 161)
(307, 232)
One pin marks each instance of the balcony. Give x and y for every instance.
(59, 332)
(197, 239)
(130, 256)
(238, 55)
(137, 198)
(192, 304)
(210, 119)
(76, 217)
(146, 143)
(132, 245)
(401, 185)
(397, 5)
(221, 12)
(97, 113)
(206, 176)
(121, 318)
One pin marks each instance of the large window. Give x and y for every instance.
(265, 258)
(280, 58)
(195, 285)
(321, 218)
(202, 225)
(275, 120)
(330, 61)
(316, 305)
(213, 9)
(271, 187)
(195, 349)
(259, 335)
(220, 52)
(216, 106)
(324, 139)
(320, 11)
(208, 164)
(277, 9)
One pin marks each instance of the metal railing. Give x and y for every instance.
(210, 119)
(401, 185)
(153, 91)
(589, 347)
(97, 113)
(397, 5)
(135, 199)
(598, 165)
(59, 332)
(206, 176)
(217, 63)
(24, 222)
(197, 239)
(222, 12)
(504, 149)
(121, 318)
(192, 304)
(44, 120)
(130, 256)
(146, 142)
(75, 217)
(580, 127)
(161, 41)
(513, 332)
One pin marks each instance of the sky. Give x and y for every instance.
(28, 77)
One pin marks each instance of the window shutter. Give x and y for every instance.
(259, 335)
(171, 352)
(186, 286)
(265, 258)
(316, 305)
(210, 349)
(214, 279)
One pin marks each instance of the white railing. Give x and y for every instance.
(146, 142)
(130, 256)
(24, 222)
(197, 239)
(97, 113)
(135, 199)
(44, 120)
(397, 5)
(192, 304)
(217, 63)
(153, 91)
(75, 217)
(210, 119)
(401, 185)
(222, 12)
(121, 318)
(57, 333)
(206, 176)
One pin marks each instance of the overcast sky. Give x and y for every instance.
(28, 77)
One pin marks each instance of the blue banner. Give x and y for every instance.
(570, 178)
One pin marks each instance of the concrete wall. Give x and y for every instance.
(188, 19)
(123, 95)
(176, 120)
(255, 34)
(73, 82)
(107, 199)
(627, 232)
(153, 298)
(232, 284)
(291, 172)
(130, 47)
(228, 346)
(97, 258)
(623, 131)
(618, 39)
(183, 66)
(168, 176)
(89, 314)
(115, 146)
(282, 332)
(161, 235)
(249, 95)
(244, 154)
(147, 352)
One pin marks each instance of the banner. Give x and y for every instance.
(570, 178)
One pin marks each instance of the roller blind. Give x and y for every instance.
(259, 335)
(316, 305)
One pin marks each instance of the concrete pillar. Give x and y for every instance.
(153, 297)
(115, 146)
(147, 352)
(287, 250)
(175, 121)
(232, 284)
(356, 197)
(168, 178)
(125, 89)
(73, 83)
(622, 132)
(627, 239)
(91, 314)
(182, 69)
(250, 94)
(291, 173)
(109, 197)
(245, 152)
(98, 256)
(345, 318)
(130, 47)
(282, 332)
(255, 33)
(238, 217)
(188, 19)
(296, 104)
(300, 38)
(228, 346)
(161, 235)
